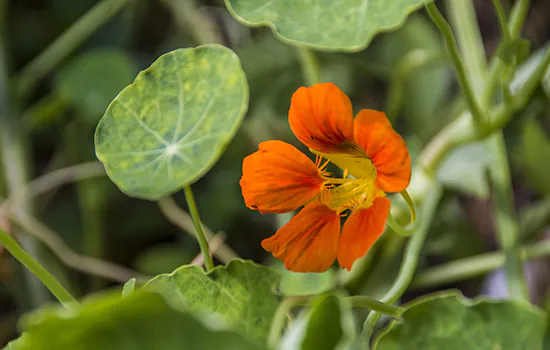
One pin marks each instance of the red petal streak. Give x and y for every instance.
(279, 178)
(308, 242)
(321, 117)
(361, 230)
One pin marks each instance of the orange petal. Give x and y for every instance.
(321, 117)
(386, 148)
(308, 242)
(279, 178)
(361, 230)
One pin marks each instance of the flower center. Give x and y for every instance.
(341, 194)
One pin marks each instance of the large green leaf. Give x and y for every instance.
(140, 321)
(170, 126)
(449, 321)
(333, 25)
(241, 294)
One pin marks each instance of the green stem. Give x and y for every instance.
(279, 319)
(463, 17)
(505, 216)
(474, 266)
(502, 20)
(310, 66)
(65, 44)
(38, 270)
(461, 131)
(201, 238)
(516, 21)
(445, 29)
(375, 305)
(412, 252)
(183, 220)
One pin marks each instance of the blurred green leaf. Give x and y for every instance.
(419, 80)
(296, 284)
(343, 25)
(449, 321)
(534, 153)
(327, 325)
(109, 322)
(169, 127)
(90, 81)
(241, 294)
(465, 170)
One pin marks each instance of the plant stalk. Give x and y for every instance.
(201, 238)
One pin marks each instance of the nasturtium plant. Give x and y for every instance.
(170, 126)
(241, 294)
(447, 320)
(336, 25)
(108, 322)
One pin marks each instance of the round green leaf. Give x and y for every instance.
(171, 125)
(332, 25)
(241, 294)
(449, 321)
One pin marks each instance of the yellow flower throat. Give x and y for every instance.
(341, 194)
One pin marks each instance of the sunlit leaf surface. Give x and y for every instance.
(346, 25)
(170, 126)
(448, 321)
(241, 294)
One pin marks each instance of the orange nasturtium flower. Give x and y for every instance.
(278, 178)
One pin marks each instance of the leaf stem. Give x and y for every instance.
(183, 220)
(506, 219)
(201, 238)
(464, 20)
(515, 23)
(375, 305)
(65, 44)
(463, 269)
(310, 65)
(280, 316)
(502, 20)
(410, 260)
(477, 112)
(38, 270)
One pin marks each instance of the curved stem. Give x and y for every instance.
(64, 45)
(474, 266)
(375, 305)
(38, 270)
(279, 318)
(410, 260)
(310, 65)
(201, 238)
(400, 230)
(477, 112)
